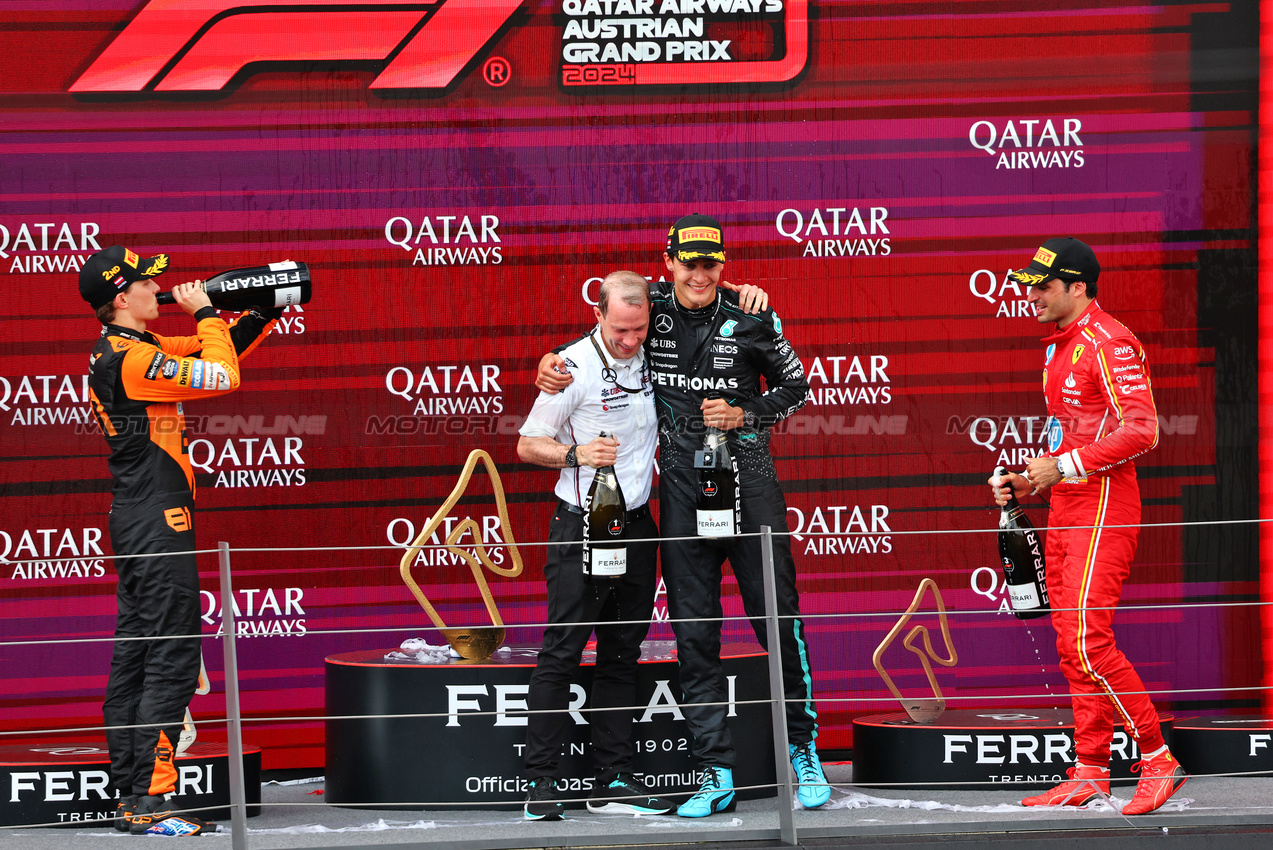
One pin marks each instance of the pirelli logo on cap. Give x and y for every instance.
(1044, 257)
(131, 258)
(697, 234)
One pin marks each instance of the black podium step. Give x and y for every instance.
(469, 750)
(979, 750)
(1240, 746)
(70, 783)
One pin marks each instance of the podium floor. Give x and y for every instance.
(1226, 813)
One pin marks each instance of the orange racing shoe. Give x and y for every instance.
(1085, 784)
(1160, 777)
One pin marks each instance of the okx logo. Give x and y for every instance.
(199, 45)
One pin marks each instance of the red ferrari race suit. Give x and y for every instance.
(1100, 415)
(137, 382)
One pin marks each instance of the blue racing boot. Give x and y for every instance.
(813, 789)
(716, 794)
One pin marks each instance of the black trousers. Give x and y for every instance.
(152, 681)
(575, 604)
(692, 574)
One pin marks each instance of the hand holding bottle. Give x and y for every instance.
(1021, 551)
(602, 451)
(718, 414)
(1005, 485)
(191, 297)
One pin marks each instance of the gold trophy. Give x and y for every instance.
(477, 643)
(921, 709)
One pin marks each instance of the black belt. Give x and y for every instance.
(632, 516)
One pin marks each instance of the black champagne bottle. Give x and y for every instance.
(719, 503)
(276, 285)
(605, 554)
(1021, 550)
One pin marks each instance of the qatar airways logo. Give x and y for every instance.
(258, 611)
(435, 552)
(447, 240)
(842, 380)
(1017, 439)
(42, 553)
(48, 247)
(1005, 295)
(448, 390)
(45, 399)
(1030, 143)
(837, 231)
(842, 529)
(250, 461)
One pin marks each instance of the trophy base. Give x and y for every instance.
(967, 750)
(476, 644)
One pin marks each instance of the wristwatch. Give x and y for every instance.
(571, 460)
(749, 419)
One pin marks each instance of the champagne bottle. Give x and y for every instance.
(605, 555)
(1021, 551)
(719, 500)
(276, 285)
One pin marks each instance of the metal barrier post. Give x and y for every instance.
(777, 696)
(234, 731)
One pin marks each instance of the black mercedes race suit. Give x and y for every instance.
(137, 382)
(694, 353)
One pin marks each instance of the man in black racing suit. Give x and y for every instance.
(706, 359)
(137, 383)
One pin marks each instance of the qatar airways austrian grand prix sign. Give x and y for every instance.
(682, 42)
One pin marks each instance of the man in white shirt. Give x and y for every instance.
(611, 393)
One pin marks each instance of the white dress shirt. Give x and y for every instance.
(594, 402)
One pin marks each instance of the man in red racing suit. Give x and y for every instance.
(1101, 415)
(137, 383)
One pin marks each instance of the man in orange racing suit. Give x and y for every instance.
(1101, 415)
(137, 382)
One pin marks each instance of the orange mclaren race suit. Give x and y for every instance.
(1100, 415)
(137, 382)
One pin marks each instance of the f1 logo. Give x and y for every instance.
(198, 45)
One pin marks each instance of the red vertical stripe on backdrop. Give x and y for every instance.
(1265, 249)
